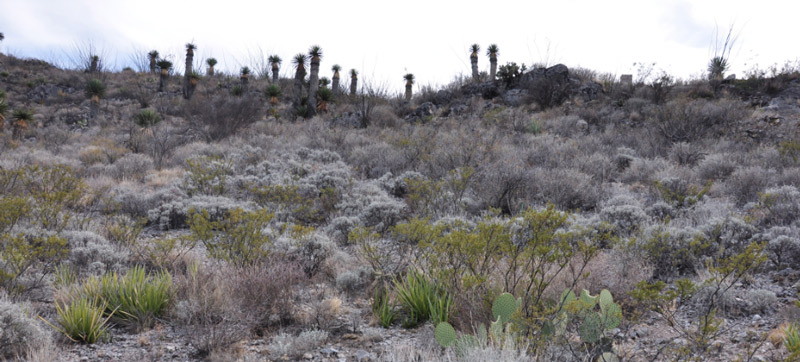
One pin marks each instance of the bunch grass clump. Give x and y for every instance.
(83, 320)
(138, 297)
(422, 299)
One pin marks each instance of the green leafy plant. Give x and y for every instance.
(147, 118)
(207, 175)
(503, 308)
(95, 89)
(238, 238)
(383, 308)
(791, 340)
(83, 320)
(137, 297)
(422, 299)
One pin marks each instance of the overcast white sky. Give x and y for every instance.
(385, 40)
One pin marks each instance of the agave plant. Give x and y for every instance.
(335, 86)
(473, 58)
(409, 78)
(315, 53)
(275, 63)
(492, 51)
(353, 81)
(188, 87)
(211, 62)
(165, 66)
(95, 90)
(153, 57)
(325, 96)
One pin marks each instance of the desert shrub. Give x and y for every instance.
(568, 189)
(353, 280)
(174, 214)
(136, 298)
(783, 249)
(237, 238)
(683, 120)
(679, 192)
(93, 252)
(716, 167)
(727, 235)
(745, 183)
(685, 154)
(288, 345)
(207, 175)
(760, 301)
(220, 117)
(26, 252)
(669, 250)
(267, 294)
(132, 166)
(661, 211)
(18, 331)
(376, 159)
(147, 118)
(781, 204)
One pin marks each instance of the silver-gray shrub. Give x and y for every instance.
(568, 189)
(131, 166)
(744, 184)
(685, 154)
(782, 205)
(19, 332)
(92, 252)
(626, 219)
(717, 166)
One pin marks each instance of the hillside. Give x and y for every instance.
(234, 217)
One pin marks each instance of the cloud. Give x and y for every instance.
(682, 27)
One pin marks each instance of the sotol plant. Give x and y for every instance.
(275, 63)
(492, 51)
(211, 62)
(315, 53)
(409, 78)
(473, 59)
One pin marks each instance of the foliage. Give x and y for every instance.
(84, 320)
(95, 89)
(383, 308)
(137, 297)
(239, 238)
(207, 175)
(678, 196)
(497, 335)
(147, 118)
(591, 316)
(422, 299)
(791, 340)
(510, 73)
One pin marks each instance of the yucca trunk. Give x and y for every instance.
(313, 84)
(93, 107)
(19, 128)
(275, 69)
(493, 66)
(473, 58)
(162, 80)
(299, 78)
(353, 84)
(335, 82)
(188, 89)
(408, 91)
(210, 71)
(153, 65)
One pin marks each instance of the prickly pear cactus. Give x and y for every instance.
(482, 334)
(591, 329)
(611, 316)
(445, 334)
(504, 306)
(608, 357)
(587, 299)
(605, 299)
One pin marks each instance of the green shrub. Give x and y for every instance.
(792, 340)
(147, 118)
(95, 88)
(383, 308)
(207, 175)
(238, 238)
(84, 320)
(137, 297)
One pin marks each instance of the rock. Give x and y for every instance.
(329, 352)
(362, 355)
(590, 91)
(582, 125)
(308, 356)
(347, 119)
(423, 113)
(514, 97)
(487, 90)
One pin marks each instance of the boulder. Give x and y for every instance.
(423, 113)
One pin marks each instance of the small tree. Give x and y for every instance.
(275, 62)
(165, 66)
(153, 57)
(21, 118)
(244, 76)
(492, 52)
(409, 78)
(211, 62)
(473, 58)
(353, 81)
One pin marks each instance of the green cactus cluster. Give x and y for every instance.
(594, 315)
(502, 309)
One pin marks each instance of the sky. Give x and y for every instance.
(384, 40)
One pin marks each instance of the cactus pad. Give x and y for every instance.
(591, 329)
(605, 299)
(504, 306)
(445, 334)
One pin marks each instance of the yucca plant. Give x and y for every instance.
(165, 66)
(409, 78)
(353, 81)
(299, 62)
(275, 63)
(147, 118)
(717, 67)
(473, 58)
(153, 57)
(492, 51)
(791, 340)
(83, 320)
(21, 118)
(137, 297)
(422, 299)
(244, 76)
(188, 86)
(211, 62)
(95, 90)
(272, 92)
(383, 308)
(94, 64)
(325, 95)
(323, 82)
(315, 53)
(335, 84)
